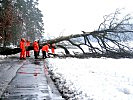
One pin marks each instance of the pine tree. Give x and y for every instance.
(19, 18)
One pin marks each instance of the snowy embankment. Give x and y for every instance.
(93, 78)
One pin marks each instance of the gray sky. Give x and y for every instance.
(64, 17)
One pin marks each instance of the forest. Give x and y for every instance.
(19, 19)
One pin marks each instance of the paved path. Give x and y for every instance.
(31, 82)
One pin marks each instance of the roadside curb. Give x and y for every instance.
(53, 91)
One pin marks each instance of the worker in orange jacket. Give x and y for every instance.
(53, 48)
(22, 49)
(45, 50)
(36, 49)
(27, 48)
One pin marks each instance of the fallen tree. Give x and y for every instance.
(109, 40)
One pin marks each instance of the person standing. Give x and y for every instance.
(36, 49)
(27, 48)
(22, 49)
(45, 51)
(39, 47)
(53, 48)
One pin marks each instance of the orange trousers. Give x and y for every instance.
(22, 54)
(53, 51)
(27, 53)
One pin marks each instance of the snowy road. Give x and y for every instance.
(27, 81)
(76, 79)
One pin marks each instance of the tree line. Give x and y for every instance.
(19, 18)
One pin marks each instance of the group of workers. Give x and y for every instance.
(25, 52)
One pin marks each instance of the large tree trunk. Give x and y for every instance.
(95, 51)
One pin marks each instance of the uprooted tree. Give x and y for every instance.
(109, 40)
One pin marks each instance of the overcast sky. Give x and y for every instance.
(64, 17)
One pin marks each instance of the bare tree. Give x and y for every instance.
(110, 38)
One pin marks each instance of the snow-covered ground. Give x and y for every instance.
(96, 78)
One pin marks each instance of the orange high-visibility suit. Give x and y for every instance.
(36, 49)
(45, 50)
(53, 48)
(22, 48)
(27, 50)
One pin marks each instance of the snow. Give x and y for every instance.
(93, 78)
(2, 57)
(96, 78)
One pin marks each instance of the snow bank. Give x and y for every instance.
(94, 78)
